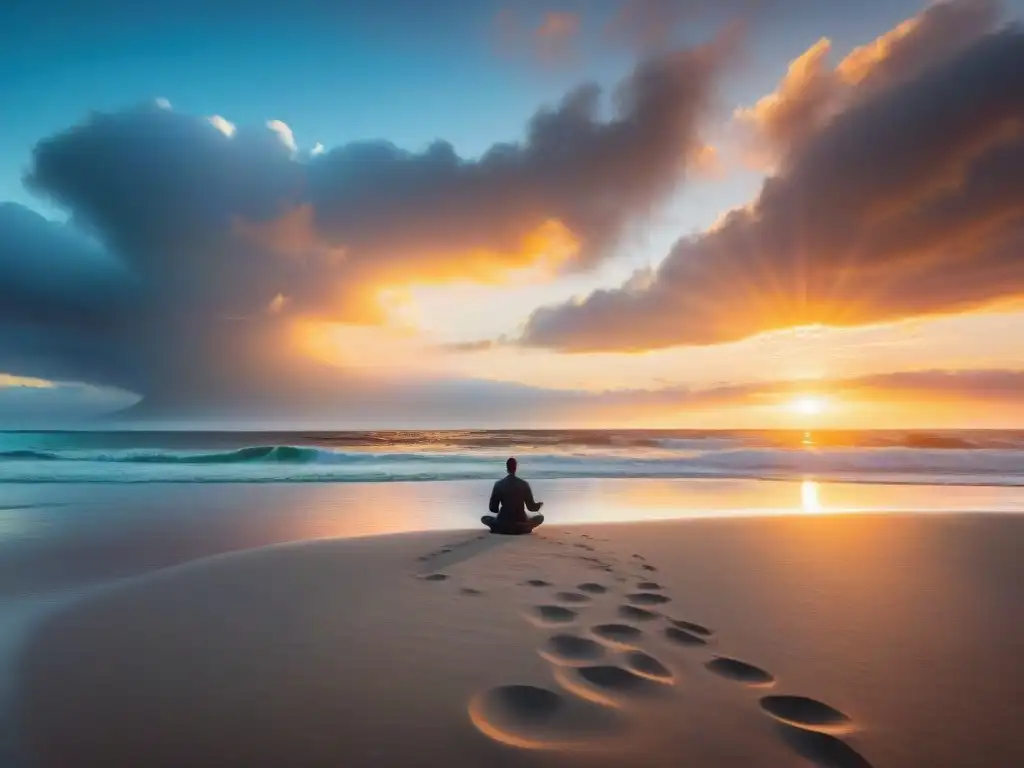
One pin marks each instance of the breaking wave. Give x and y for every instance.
(682, 457)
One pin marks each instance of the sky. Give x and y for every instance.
(591, 213)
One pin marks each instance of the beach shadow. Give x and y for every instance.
(475, 547)
(821, 749)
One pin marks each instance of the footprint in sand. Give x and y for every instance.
(470, 591)
(805, 713)
(633, 613)
(691, 627)
(648, 598)
(684, 638)
(647, 585)
(593, 588)
(530, 717)
(537, 583)
(650, 568)
(572, 597)
(551, 615)
(610, 685)
(571, 650)
(821, 749)
(646, 665)
(617, 635)
(739, 671)
(436, 577)
(804, 726)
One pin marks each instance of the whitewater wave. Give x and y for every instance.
(296, 463)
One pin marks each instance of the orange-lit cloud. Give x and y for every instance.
(202, 257)
(799, 105)
(7, 380)
(656, 25)
(555, 35)
(906, 204)
(812, 91)
(538, 253)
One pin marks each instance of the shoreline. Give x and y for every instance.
(927, 482)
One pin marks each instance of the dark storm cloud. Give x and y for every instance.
(910, 202)
(212, 238)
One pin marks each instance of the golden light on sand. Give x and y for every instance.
(808, 405)
(809, 501)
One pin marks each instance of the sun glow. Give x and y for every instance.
(808, 405)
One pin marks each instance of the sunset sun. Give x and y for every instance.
(808, 405)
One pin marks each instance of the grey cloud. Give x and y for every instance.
(909, 203)
(191, 234)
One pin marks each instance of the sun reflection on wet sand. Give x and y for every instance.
(809, 501)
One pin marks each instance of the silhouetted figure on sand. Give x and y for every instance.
(510, 500)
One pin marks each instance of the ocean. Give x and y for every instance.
(956, 457)
(77, 507)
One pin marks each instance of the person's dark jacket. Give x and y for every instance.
(510, 499)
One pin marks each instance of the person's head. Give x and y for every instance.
(511, 465)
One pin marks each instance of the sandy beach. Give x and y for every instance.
(833, 640)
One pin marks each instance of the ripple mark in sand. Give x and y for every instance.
(740, 671)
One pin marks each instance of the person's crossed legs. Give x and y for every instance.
(511, 529)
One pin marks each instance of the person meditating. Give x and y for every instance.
(510, 499)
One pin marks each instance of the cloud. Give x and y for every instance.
(655, 25)
(991, 384)
(812, 92)
(284, 133)
(799, 105)
(555, 34)
(907, 203)
(224, 126)
(37, 403)
(472, 346)
(197, 246)
(6, 380)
